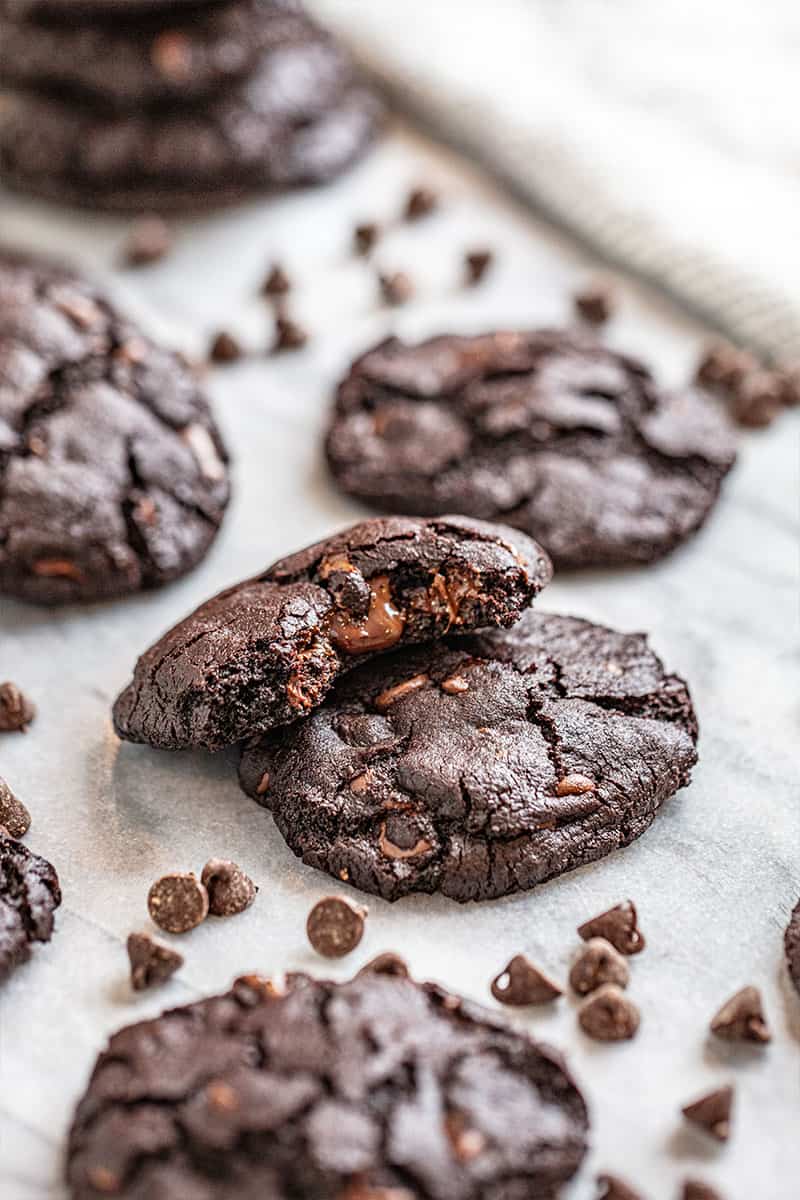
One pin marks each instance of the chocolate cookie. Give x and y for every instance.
(112, 473)
(483, 765)
(267, 651)
(549, 431)
(291, 122)
(791, 943)
(29, 895)
(376, 1089)
(173, 54)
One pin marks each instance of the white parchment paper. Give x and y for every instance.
(714, 879)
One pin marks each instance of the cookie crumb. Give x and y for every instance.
(178, 902)
(151, 961)
(712, 1112)
(598, 962)
(608, 1015)
(617, 925)
(741, 1019)
(523, 983)
(288, 335)
(396, 288)
(230, 889)
(277, 282)
(224, 348)
(476, 265)
(149, 240)
(14, 816)
(614, 1188)
(420, 203)
(16, 710)
(594, 302)
(365, 238)
(335, 926)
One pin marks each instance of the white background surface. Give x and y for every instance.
(714, 879)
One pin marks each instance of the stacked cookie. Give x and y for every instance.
(133, 104)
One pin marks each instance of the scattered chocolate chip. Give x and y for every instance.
(609, 1015)
(724, 366)
(288, 335)
(151, 961)
(695, 1189)
(523, 983)
(597, 963)
(476, 265)
(277, 282)
(365, 237)
(387, 963)
(149, 240)
(16, 710)
(758, 399)
(396, 288)
(178, 902)
(791, 384)
(421, 201)
(230, 890)
(614, 1188)
(224, 348)
(712, 1112)
(14, 816)
(594, 303)
(741, 1019)
(619, 926)
(575, 785)
(335, 926)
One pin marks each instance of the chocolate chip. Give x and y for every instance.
(695, 1189)
(598, 963)
(171, 55)
(456, 685)
(476, 265)
(16, 710)
(151, 961)
(421, 201)
(608, 1015)
(224, 348)
(277, 282)
(391, 695)
(741, 1019)
(396, 288)
(467, 1143)
(594, 303)
(523, 983)
(364, 238)
(387, 963)
(14, 816)
(712, 1113)
(335, 926)
(253, 989)
(619, 926)
(230, 890)
(149, 240)
(575, 785)
(288, 334)
(791, 384)
(614, 1188)
(758, 399)
(723, 366)
(178, 902)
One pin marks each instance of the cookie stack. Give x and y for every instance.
(141, 104)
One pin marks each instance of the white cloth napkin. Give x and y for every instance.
(667, 135)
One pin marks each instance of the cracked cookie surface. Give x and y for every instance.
(549, 431)
(113, 477)
(29, 896)
(377, 1088)
(482, 765)
(267, 650)
(791, 942)
(147, 57)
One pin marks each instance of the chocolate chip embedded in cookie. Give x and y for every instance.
(267, 651)
(113, 477)
(29, 896)
(375, 1089)
(440, 768)
(551, 431)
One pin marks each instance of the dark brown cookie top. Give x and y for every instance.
(113, 476)
(297, 119)
(267, 651)
(29, 896)
(462, 767)
(549, 430)
(172, 54)
(791, 943)
(380, 1087)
